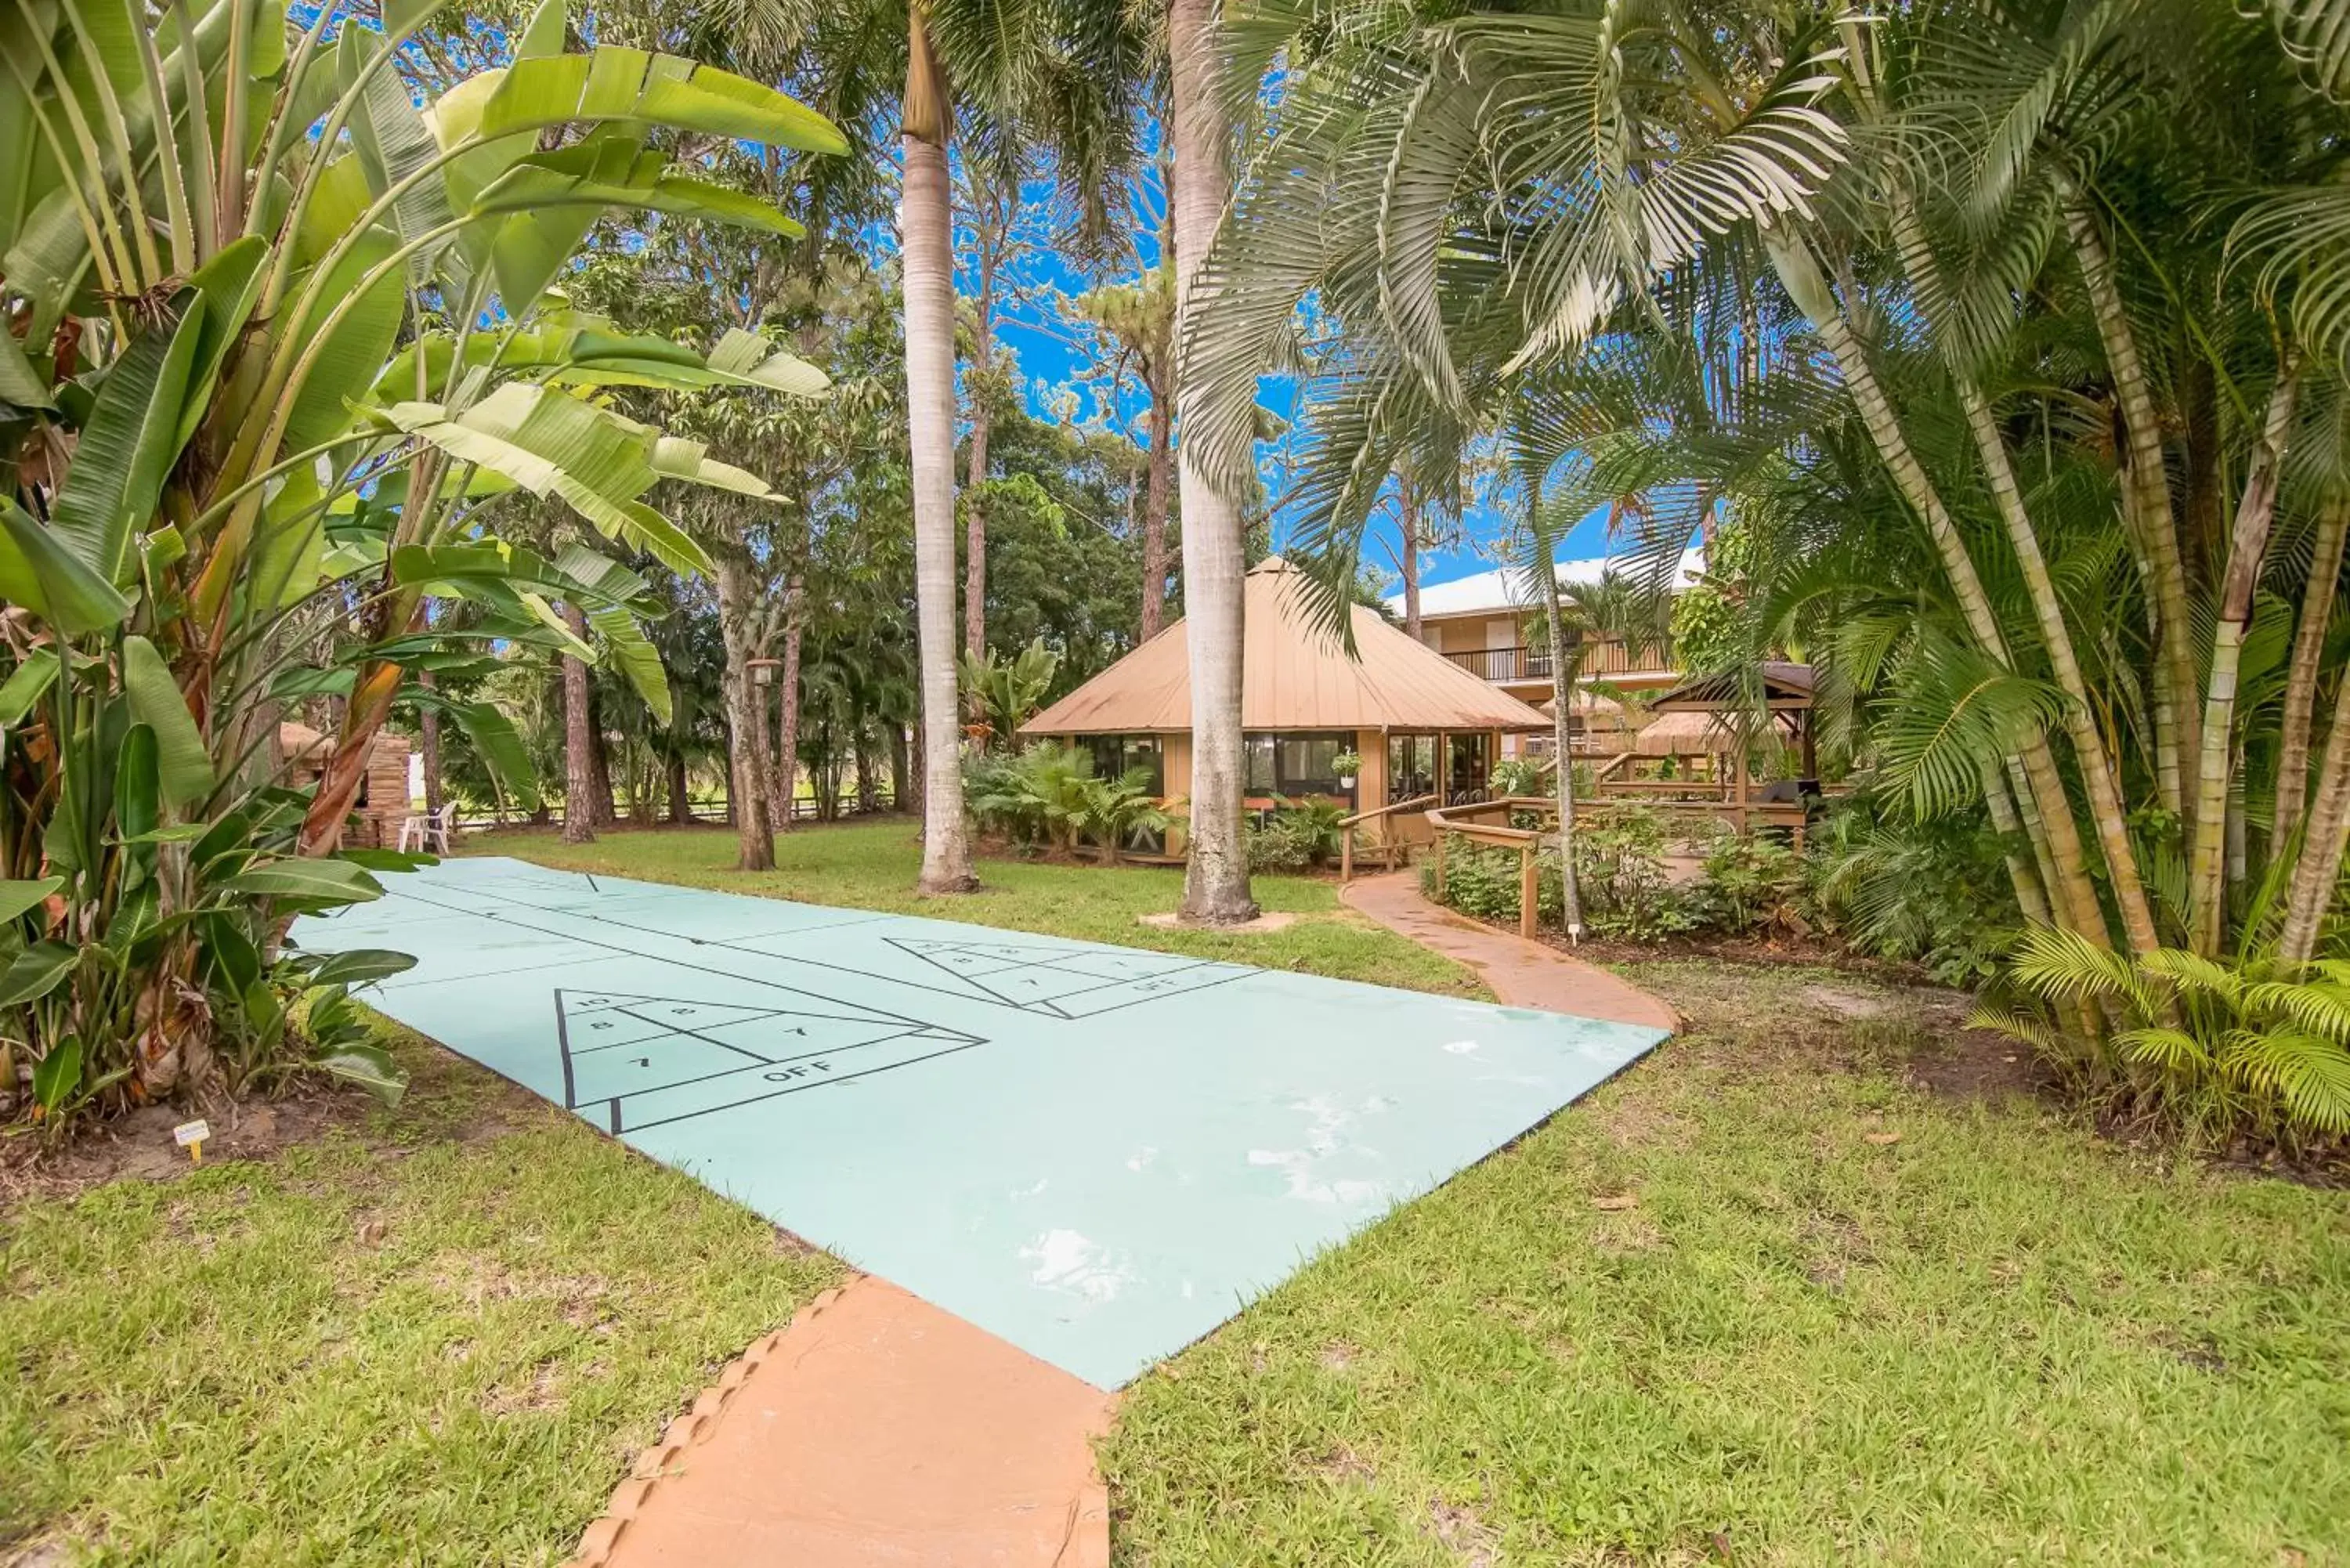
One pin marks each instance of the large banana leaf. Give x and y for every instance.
(38, 571)
(183, 765)
(550, 442)
(617, 84)
(126, 447)
(583, 351)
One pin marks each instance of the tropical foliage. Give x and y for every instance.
(278, 339)
(2008, 338)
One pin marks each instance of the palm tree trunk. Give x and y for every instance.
(1409, 559)
(2317, 875)
(926, 240)
(900, 769)
(2028, 896)
(2247, 549)
(787, 723)
(1215, 878)
(1154, 510)
(2146, 507)
(578, 771)
(746, 792)
(974, 539)
(680, 795)
(2106, 811)
(2301, 681)
(1562, 703)
(1799, 271)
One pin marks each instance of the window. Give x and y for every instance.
(1115, 756)
(1411, 767)
(1296, 763)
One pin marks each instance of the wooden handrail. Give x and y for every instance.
(1418, 803)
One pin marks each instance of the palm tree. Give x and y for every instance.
(1062, 75)
(1139, 318)
(1215, 877)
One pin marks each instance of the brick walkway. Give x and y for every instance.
(1521, 973)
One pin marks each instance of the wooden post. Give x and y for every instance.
(1526, 892)
(1346, 855)
(1440, 837)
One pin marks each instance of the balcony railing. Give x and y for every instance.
(1602, 658)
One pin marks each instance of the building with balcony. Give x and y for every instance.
(1479, 624)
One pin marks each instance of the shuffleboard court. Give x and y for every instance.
(1099, 1153)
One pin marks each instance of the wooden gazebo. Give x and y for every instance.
(1707, 721)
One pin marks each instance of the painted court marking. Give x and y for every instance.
(1097, 1153)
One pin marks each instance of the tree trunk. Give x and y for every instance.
(746, 790)
(924, 222)
(579, 741)
(1215, 877)
(2146, 507)
(2301, 682)
(788, 726)
(1799, 271)
(680, 790)
(2107, 813)
(1409, 558)
(428, 730)
(2317, 875)
(2029, 898)
(1561, 701)
(900, 771)
(2215, 769)
(1154, 510)
(974, 507)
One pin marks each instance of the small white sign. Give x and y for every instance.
(195, 1131)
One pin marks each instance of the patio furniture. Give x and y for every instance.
(429, 832)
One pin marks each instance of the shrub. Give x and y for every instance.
(1295, 834)
(1751, 883)
(1520, 776)
(1043, 797)
(1936, 894)
(1619, 864)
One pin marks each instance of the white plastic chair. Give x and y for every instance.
(429, 832)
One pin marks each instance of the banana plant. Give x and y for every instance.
(276, 339)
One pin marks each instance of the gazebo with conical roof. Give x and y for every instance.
(1419, 723)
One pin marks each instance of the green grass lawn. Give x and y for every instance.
(1701, 1314)
(1995, 1340)
(434, 1336)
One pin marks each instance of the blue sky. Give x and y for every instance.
(1052, 358)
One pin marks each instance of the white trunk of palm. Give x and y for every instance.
(2216, 768)
(927, 245)
(1562, 689)
(2301, 682)
(1215, 880)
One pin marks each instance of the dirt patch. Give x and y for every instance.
(1468, 1538)
(140, 1146)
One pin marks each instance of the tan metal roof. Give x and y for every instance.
(1294, 676)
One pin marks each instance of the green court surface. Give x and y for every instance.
(1098, 1153)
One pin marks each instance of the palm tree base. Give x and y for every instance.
(946, 886)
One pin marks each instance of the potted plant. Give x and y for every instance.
(1347, 765)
